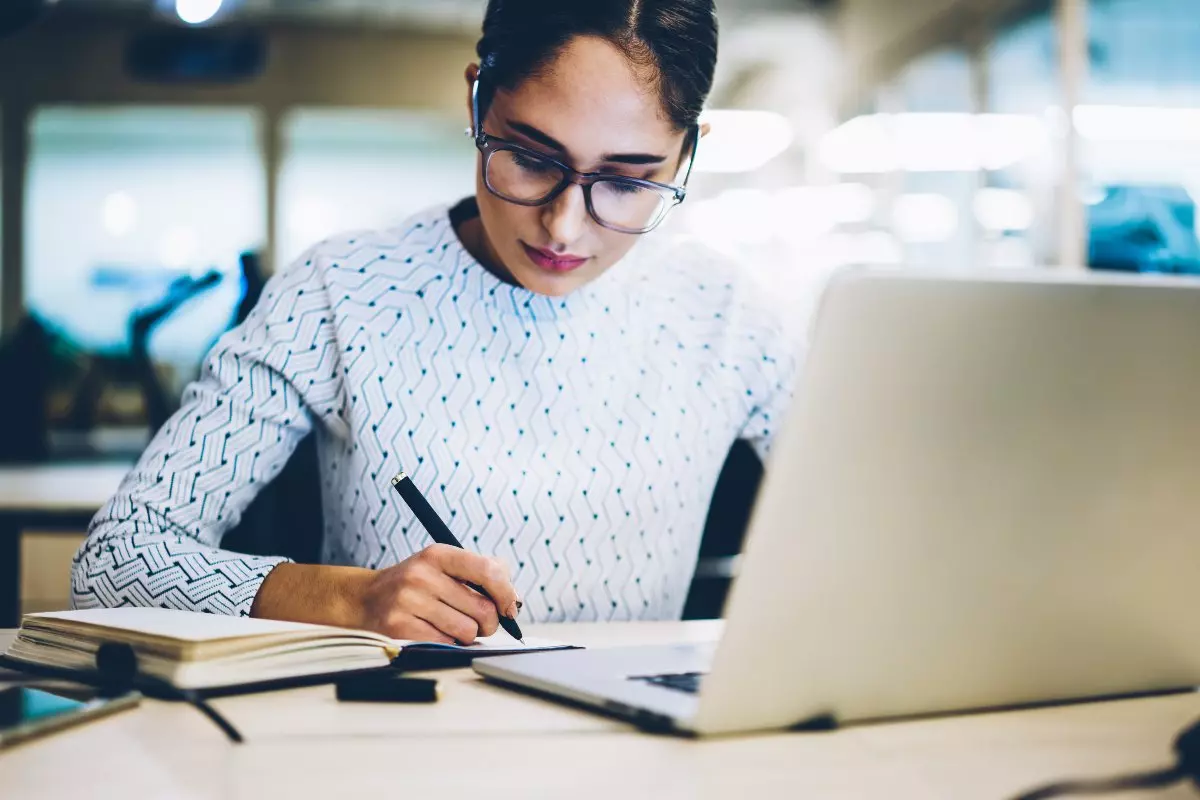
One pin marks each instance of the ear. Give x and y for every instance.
(472, 75)
(705, 127)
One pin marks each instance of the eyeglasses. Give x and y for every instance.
(526, 177)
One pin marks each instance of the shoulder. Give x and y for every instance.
(413, 240)
(707, 284)
(348, 269)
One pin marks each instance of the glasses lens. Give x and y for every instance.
(627, 206)
(522, 177)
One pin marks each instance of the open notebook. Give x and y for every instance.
(208, 651)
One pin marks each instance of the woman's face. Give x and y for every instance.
(591, 109)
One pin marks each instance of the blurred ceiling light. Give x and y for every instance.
(742, 141)
(1003, 210)
(197, 12)
(860, 145)
(178, 247)
(925, 142)
(851, 203)
(119, 213)
(802, 214)
(1137, 123)
(924, 218)
(805, 213)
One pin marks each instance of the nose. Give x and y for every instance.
(564, 218)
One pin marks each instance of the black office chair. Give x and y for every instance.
(724, 532)
(25, 357)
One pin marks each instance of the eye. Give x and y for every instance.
(531, 163)
(620, 187)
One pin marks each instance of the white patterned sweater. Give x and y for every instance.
(578, 438)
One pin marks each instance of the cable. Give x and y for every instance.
(117, 665)
(1187, 767)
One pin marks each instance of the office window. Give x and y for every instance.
(1140, 133)
(131, 209)
(1018, 207)
(931, 214)
(122, 203)
(366, 168)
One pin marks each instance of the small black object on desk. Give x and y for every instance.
(386, 688)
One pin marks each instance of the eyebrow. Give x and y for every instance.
(546, 140)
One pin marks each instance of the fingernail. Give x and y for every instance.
(512, 610)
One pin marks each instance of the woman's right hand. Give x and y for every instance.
(425, 597)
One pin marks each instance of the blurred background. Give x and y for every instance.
(160, 158)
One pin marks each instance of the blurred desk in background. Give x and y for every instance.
(46, 497)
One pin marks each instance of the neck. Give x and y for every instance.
(468, 225)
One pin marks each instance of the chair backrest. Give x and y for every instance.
(286, 518)
(724, 530)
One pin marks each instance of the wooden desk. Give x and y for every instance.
(483, 741)
(46, 497)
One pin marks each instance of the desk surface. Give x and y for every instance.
(481, 741)
(59, 488)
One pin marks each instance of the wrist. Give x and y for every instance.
(317, 594)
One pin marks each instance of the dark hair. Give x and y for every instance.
(676, 39)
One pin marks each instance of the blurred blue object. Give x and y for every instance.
(1144, 229)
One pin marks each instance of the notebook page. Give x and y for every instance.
(185, 626)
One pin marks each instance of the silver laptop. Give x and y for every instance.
(987, 494)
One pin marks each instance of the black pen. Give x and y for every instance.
(441, 534)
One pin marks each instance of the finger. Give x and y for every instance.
(462, 598)
(489, 573)
(451, 622)
(418, 630)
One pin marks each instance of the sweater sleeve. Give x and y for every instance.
(157, 542)
(770, 353)
(770, 388)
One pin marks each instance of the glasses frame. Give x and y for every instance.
(489, 145)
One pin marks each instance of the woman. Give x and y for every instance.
(562, 387)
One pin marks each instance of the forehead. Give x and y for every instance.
(592, 99)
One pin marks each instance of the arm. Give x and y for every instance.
(157, 541)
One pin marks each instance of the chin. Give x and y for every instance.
(551, 285)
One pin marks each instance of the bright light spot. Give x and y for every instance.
(178, 247)
(873, 248)
(1003, 210)
(850, 203)
(313, 219)
(1137, 124)
(120, 214)
(197, 12)
(1008, 139)
(920, 142)
(742, 141)
(802, 214)
(924, 218)
(861, 145)
(877, 247)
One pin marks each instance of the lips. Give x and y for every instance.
(552, 262)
